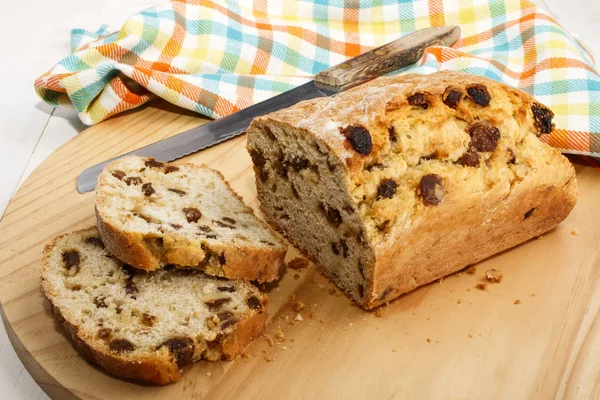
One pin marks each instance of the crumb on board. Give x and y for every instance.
(428, 340)
(472, 271)
(481, 286)
(296, 276)
(459, 301)
(393, 350)
(269, 358)
(269, 340)
(297, 306)
(331, 291)
(321, 286)
(470, 336)
(298, 263)
(381, 311)
(298, 318)
(517, 301)
(493, 275)
(575, 232)
(208, 374)
(279, 335)
(533, 294)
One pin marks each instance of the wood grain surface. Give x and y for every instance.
(445, 340)
(387, 58)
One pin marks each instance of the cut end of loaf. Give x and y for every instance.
(152, 214)
(145, 325)
(300, 187)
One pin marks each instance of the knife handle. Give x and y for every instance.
(392, 56)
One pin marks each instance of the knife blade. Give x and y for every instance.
(387, 58)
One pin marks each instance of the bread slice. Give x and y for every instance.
(151, 214)
(145, 325)
(405, 179)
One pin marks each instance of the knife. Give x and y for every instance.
(379, 61)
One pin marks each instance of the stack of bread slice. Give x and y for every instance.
(164, 278)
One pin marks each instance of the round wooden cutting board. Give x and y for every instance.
(534, 335)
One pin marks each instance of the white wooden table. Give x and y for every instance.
(36, 34)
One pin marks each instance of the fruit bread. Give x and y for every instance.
(403, 180)
(145, 325)
(151, 214)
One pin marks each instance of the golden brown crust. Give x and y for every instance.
(242, 262)
(234, 343)
(129, 248)
(157, 370)
(404, 270)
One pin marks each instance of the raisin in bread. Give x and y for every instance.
(145, 325)
(151, 214)
(400, 181)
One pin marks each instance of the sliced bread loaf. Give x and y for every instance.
(405, 179)
(145, 325)
(152, 214)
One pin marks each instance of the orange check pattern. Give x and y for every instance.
(217, 57)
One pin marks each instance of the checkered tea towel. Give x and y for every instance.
(217, 57)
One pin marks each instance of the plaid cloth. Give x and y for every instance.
(216, 57)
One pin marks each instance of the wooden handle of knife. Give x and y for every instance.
(392, 56)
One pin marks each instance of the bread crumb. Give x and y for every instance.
(279, 335)
(312, 315)
(428, 318)
(575, 232)
(459, 301)
(246, 355)
(533, 294)
(393, 350)
(208, 374)
(351, 323)
(493, 275)
(298, 263)
(296, 276)
(299, 318)
(481, 286)
(297, 305)
(381, 311)
(517, 301)
(472, 271)
(321, 286)
(540, 237)
(470, 336)
(269, 358)
(331, 291)
(269, 340)
(284, 348)
(428, 340)
(441, 280)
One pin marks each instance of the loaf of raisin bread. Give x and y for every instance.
(145, 325)
(403, 180)
(151, 214)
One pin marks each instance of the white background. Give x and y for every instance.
(34, 35)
